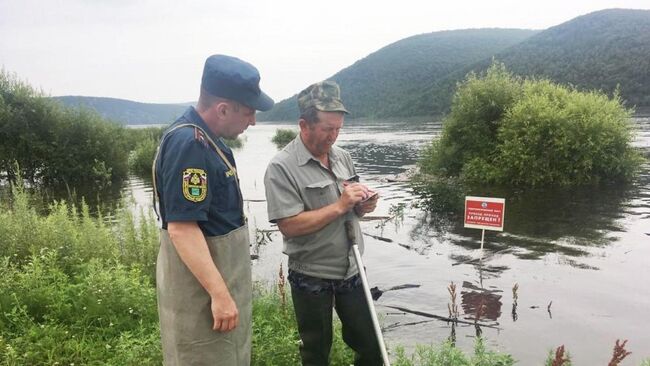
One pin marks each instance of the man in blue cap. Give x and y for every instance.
(203, 271)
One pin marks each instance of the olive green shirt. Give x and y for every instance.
(295, 181)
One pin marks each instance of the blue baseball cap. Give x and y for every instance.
(231, 78)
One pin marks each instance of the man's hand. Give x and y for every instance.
(353, 193)
(224, 313)
(368, 205)
(193, 249)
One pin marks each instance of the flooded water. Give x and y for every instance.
(580, 258)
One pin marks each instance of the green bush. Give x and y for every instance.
(556, 135)
(141, 158)
(283, 136)
(144, 143)
(508, 131)
(470, 129)
(136, 135)
(53, 145)
(235, 143)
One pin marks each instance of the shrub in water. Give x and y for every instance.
(54, 145)
(509, 131)
(283, 136)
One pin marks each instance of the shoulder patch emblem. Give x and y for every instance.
(195, 184)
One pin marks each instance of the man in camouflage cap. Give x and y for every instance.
(323, 96)
(312, 188)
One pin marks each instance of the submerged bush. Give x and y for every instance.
(509, 131)
(141, 158)
(283, 136)
(145, 143)
(236, 143)
(54, 145)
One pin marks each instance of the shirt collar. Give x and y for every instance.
(304, 155)
(192, 116)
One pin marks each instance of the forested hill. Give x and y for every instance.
(126, 111)
(599, 50)
(596, 51)
(387, 79)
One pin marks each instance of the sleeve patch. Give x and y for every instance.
(195, 184)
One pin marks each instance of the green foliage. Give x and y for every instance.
(74, 289)
(275, 334)
(605, 50)
(134, 136)
(141, 158)
(56, 146)
(470, 129)
(447, 354)
(508, 131)
(143, 143)
(77, 289)
(283, 136)
(235, 143)
(416, 76)
(391, 81)
(556, 135)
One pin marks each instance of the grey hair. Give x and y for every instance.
(310, 115)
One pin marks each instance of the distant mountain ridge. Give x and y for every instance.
(417, 76)
(600, 50)
(127, 111)
(386, 80)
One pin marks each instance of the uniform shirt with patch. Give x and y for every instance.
(295, 181)
(194, 183)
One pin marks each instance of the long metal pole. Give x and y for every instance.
(349, 230)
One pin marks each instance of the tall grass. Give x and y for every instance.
(447, 354)
(78, 289)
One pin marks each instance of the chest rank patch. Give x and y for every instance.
(195, 184)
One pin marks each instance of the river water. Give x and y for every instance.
(580, 257)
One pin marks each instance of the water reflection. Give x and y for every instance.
(480, 303)
(541, 221)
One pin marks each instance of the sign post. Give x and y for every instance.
(485, 213)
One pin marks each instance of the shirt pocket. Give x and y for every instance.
(320, 194)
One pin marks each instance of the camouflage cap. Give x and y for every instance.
(324, 96)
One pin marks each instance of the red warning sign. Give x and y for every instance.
(484, 213)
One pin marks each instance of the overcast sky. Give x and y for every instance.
(153, 50)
